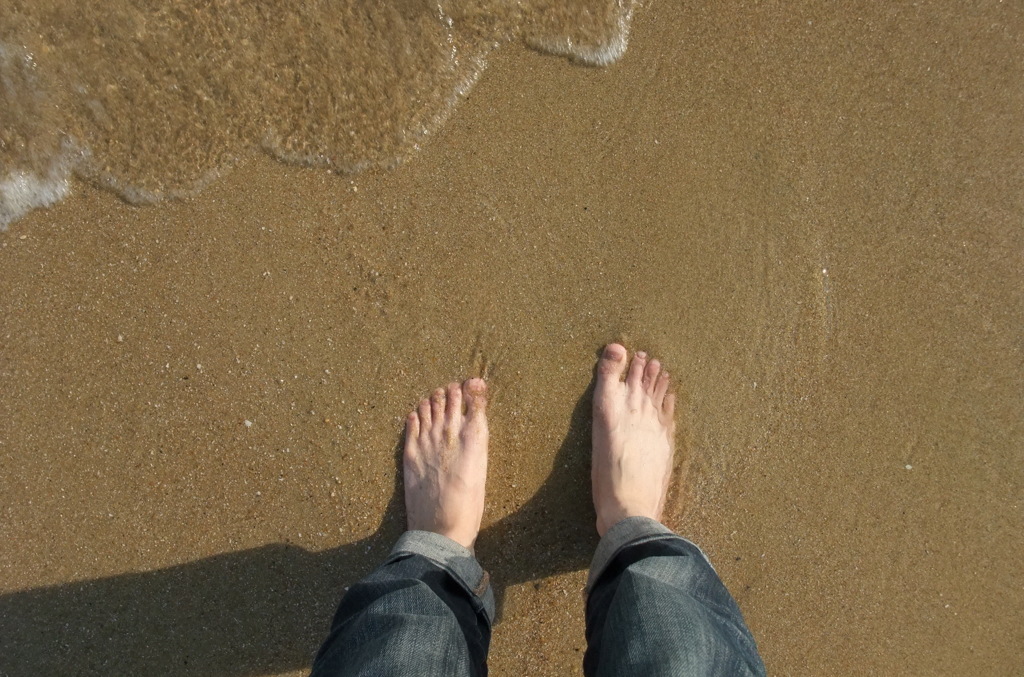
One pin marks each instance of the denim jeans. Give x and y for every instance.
(655, 606)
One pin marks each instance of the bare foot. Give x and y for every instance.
(633, 437)
(445, 462)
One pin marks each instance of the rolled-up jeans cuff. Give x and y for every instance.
(630, 531)
(457, 560)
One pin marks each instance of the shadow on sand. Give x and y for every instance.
(266, 610)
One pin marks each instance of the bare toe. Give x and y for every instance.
(612, 362)
(668, 409)
(651, 375)
(453, 410)
(424, 413)
(660, 388)
(636, 371)
(412, 428)
(437, 400)
(475, 392)
(609, 374)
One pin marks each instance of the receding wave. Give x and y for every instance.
(153, 100)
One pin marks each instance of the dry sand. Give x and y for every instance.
(812, 215)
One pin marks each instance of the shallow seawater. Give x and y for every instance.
(153, 99)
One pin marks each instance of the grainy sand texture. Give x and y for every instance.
(812, 213)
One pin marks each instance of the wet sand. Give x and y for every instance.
(813, 218)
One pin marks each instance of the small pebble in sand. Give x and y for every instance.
(909, 467)
(248, 423)
(120, 338)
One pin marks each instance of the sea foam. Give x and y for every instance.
(21, 192)
(155, 105)
(601, 50)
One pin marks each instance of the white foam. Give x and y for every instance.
(590, 54)
(21, 192)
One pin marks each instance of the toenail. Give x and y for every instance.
(642, 355)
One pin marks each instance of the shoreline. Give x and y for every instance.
(686, 201)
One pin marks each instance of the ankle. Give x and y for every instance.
(607, 519)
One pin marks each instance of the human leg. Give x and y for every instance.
(655, 605)
(428, 609)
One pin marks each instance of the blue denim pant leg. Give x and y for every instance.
(426, 611)
(655, 606)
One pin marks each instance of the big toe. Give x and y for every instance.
(612, 362)
(475, 392)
